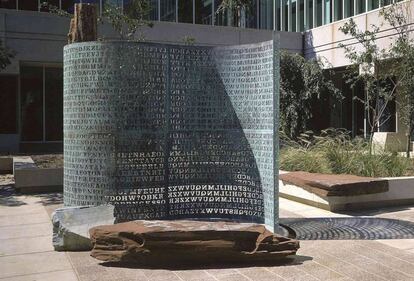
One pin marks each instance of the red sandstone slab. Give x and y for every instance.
(335, 185)
(188, 241)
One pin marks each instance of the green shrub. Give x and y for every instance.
(334, 152)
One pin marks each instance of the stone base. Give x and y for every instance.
(71, 226)
(188, 241)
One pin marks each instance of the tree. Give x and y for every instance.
(127, 22)
(301, 82)
(398, 16)
(236, 7)
(370, 66)
(6, 55)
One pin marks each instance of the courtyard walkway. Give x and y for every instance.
(26, 251)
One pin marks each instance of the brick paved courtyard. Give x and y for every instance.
(26, 251)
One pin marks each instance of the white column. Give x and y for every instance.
(289, 14)
(159, 10)
(282, 14)
(194, 12)
(213, 12)
(297, 15)
(275, 15)
(345, 8)
(323, 12)
(315, 14)
(366, 5)
(306, 14)
(355, 6)
(176, 10)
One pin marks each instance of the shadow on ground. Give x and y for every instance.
(176, 265)
(46, 199)
(349, 228)
(8, 196)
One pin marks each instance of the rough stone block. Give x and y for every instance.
(188, 241)
(71, 226)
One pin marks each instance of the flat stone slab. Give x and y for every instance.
(188, 241)
(335, 185)
(71, 226)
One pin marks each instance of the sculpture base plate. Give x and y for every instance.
(188, 241)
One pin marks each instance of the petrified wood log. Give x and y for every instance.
(182, 241)
(83, 25)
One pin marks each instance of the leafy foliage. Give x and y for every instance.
(398, 16)
(236, 7)
(47, 7)
(301, 82)
(373, 72)
(335, 152)
(6, 55)
(128, 22)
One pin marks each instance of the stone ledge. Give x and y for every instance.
(182, 241)
(335, 185)
(401, 192)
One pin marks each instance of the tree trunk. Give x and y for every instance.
(84, 25)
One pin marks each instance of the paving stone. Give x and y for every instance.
(261, 274)
(64, 275)
(23, 231)
(25, 219)
(26, 245)
(25, 264)
(233, 277)
(221, 272)
(194, 275)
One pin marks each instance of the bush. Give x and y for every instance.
(334, 152)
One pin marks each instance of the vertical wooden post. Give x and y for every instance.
(84, 24)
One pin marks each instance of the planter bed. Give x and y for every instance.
(33, 178)
(345, 192)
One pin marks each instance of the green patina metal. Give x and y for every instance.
(171, 131)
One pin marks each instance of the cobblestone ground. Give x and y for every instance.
(26, 251)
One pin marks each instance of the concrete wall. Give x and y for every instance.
(324, 41)
(40, 37)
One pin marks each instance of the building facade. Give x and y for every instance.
(31, 87)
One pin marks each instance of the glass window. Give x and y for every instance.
(348, 8)
(286, 14)
(221, 18)
(293, 17)
(386, 2)
(31, 103)
(318, 20)
(54, 103)
(130, 8)
(29, 5)
(266, 14)
(338, 12)
(310, 14)
(278, 15)
(8, 104)
(203, 11)
(46, 4)
(328, 12)
(373, 4)
(360, 7)
(153, 14)
(8, 4)
(168, 10)
(68, 5)
(250, 16)
(301, 15)
(185, 11)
